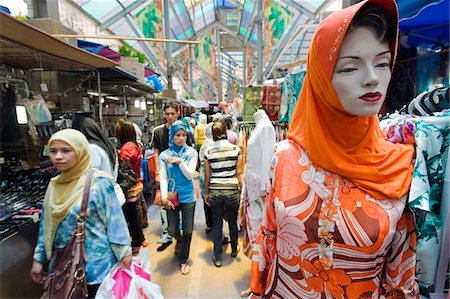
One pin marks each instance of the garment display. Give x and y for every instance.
(322, 235)
(292, 86)
(256, 182)
(271, 101)
(253, 99)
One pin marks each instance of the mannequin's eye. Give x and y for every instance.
(347, 70)
(384, 64)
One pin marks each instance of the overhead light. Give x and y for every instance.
(21, 114)
(137, 103)
(113, 98)
(102, 100)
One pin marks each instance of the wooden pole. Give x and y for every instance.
(156, 40)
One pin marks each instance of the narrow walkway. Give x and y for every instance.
(205, 280)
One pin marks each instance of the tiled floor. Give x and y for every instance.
(204, 279)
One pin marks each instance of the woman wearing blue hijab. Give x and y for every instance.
(178, 162)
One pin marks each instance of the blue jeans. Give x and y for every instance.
(187, 220)
(228, 201)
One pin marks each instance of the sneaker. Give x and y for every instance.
(217, 260)
(164, 239)
(163, 246)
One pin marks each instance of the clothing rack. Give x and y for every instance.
(248, 127)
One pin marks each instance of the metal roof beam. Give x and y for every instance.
(288, 39)
(310, 14)
(121, 14)
(177, 17)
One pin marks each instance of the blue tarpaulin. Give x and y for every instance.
(426, 21)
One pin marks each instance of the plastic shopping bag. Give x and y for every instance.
(131, 283)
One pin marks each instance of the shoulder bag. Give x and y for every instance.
(68, 279)
(126, 177)
(171, 195)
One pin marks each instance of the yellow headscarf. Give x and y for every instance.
(66, 189)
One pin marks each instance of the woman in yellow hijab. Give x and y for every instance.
(107, 239)
(336, 224)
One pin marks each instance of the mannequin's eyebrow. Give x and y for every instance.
(357, 57)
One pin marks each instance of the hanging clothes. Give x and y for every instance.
(432, 137)
(271, 101)
(253, 98)
(292, 86)
(256, 182)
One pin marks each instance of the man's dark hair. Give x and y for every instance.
(377, 18)
(219, 130)
(172, 104)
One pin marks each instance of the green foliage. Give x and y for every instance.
(126, 50)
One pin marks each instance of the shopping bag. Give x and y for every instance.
(140, 287)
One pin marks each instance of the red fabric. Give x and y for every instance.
(134, 153)
(271, 101)
(151, 166)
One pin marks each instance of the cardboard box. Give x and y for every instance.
(132, 66)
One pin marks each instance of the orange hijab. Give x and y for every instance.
(351, 146)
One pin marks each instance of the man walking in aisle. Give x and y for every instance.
(160, 142)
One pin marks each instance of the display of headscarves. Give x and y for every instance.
(271, 101)
(253, 99)
(292, 86)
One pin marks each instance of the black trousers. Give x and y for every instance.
(134, 223)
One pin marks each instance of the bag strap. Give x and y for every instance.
(87, 189)
(174, 184)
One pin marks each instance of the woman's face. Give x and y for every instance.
(62, 155)
(180, 138)
(362, 72)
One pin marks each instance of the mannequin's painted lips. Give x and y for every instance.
(371, 97)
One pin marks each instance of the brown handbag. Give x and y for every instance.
(171, 195)
(68, 279)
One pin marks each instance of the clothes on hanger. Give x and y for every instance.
(292, 86)
(253, 98)
(271, 101)
(256, 181)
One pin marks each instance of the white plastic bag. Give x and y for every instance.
(141, 288)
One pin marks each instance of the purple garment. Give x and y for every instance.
(232, 136)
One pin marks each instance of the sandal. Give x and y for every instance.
(184, 268)
(144, 243)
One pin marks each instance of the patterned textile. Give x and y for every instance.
(253, 98)
(292, 86)
(271, 101)
(373, 241)
(399, 128)
(432, 148)
(107, 239)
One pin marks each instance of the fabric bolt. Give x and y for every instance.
(256, 180)
(271, 101)
(107, 239)
(253, 99)
(311, 247)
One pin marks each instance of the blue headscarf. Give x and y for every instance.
(177, 150)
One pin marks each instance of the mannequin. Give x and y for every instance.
(336, 223)
(256, 182)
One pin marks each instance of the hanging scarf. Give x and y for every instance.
(351, 146)
(66, 189)
(94, 135)
(176, 150)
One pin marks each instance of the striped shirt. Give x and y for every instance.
(222, 157)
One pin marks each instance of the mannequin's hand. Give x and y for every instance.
(125, 262)
(36, 272)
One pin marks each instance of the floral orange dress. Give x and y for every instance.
(323, 237)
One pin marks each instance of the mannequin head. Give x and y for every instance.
(363, 68)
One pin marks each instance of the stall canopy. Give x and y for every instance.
(425, 21)
(33, 48)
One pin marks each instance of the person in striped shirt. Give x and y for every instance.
(222, 181)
